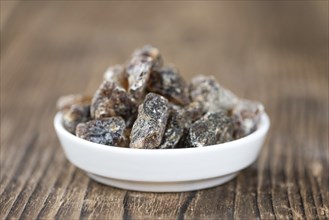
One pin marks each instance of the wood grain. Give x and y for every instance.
(275, 52)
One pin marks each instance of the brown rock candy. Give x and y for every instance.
(75, 109)
(117, 74)
(149, 127)
(112, 100)
(192, 112)
(212, 128)
(152, 52)
(107, 131)
(75, 115)
(180, 119)
(174, 130)
(65, 102)
(139, 70)
(169, 83)
(246, 116)
(214, 97)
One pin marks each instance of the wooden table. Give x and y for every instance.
(275, 52)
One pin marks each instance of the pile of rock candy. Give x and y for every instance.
(145, 104)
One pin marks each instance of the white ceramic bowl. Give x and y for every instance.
(162, 170)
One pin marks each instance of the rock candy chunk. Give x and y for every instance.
(192, 112)
(107, 131)
(246, 116)
(150, 125)
(180, 119)
(112, 100)
(206, 90)
(139, 70)
(117, 74)
(75, 109)
(175, 107)
(152, 52)
(169, 83)
(75, 115)
(212, 128)
(174, 130)
(65, 102)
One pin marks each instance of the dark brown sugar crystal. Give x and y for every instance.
(65, 102)
(169, 83)
(246, 116)
(153, 53)
(180, 120)
(75, 109)
(139, 69)
(192, 112)
(174, 130)
(117, 75)
(212, 128)
(107, 131)
(112, 100)
(75, 115)
(206, 90)
(149, 127)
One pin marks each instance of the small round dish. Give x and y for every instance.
(162, 170)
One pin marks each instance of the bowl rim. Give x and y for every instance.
(262, 129)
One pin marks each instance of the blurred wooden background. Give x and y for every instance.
(275, 52)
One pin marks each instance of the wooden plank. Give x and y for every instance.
(264, 195)
(213, 203)
(156, 205)
(102, 202)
